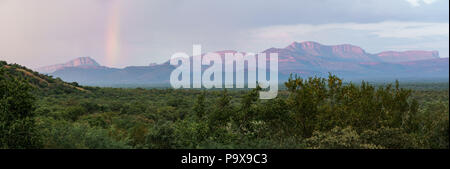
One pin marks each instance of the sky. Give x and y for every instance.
(120, 33)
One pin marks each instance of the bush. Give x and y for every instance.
(338, 138)
(392, 138)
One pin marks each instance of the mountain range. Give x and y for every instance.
(305, 59)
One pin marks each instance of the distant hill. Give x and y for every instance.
(392, 56)
(82, 62)
(302, 58)
(352, 62)
(148, 75)
(39, 81)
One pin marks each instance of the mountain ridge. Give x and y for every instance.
(86, 62)
(304, 58)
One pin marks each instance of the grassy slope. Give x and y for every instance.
(39, 81)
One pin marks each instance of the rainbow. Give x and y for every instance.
(112, 43)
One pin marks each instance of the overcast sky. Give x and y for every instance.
(120, 33)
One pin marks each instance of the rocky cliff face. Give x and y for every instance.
(337, 52)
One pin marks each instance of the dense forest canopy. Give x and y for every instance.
(39, 111)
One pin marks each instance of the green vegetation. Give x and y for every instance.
(37, 111)
(17, 123)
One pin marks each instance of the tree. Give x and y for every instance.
(221, 115)
(199, 106)
(248, 111)
(305, 99)
(17, 125)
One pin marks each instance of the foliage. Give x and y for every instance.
(17, 125)
(315, 112)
